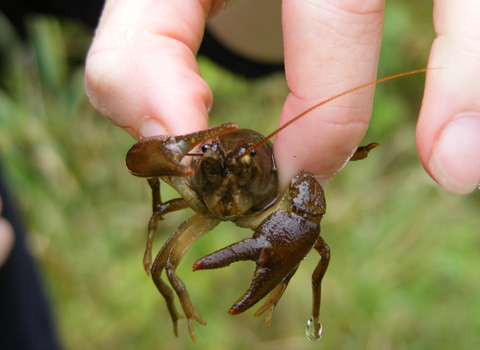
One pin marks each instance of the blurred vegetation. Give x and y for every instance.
(405, 262)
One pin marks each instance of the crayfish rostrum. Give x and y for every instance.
(233, 177)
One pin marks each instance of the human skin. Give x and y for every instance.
(141, 73)
(6, 237)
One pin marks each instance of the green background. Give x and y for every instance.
(405, 264)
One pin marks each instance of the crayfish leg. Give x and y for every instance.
(362, 151)
(158, 210)
(167, 294)
(170, 257)
(314, 327)
(273, 299)
(185, 301)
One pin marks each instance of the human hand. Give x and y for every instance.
(448, 133)
(6, 237)
(141, 73)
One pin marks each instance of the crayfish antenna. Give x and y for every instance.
(301, 115)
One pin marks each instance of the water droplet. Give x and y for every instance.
(311, 333)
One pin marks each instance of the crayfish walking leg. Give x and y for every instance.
(170, 257)
(158, 210)
(314, 327)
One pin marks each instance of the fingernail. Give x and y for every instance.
(149, 126)
(455, 161)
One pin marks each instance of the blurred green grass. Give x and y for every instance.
(405, 263)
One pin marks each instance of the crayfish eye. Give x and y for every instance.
(253, 153)
(205, 147)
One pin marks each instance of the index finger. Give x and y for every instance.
(330, 47)
(141, 71)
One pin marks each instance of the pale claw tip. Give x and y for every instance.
(234, 311)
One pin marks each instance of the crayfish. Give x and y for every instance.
(233, 177)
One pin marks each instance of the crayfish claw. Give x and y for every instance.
(278, 246)
(157, 156)
(247, 249)
(263, 282)
(161, 155)
(255, 249)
